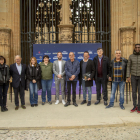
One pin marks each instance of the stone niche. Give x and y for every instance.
(5, 43)
(127, 40)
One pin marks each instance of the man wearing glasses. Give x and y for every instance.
(133, 68)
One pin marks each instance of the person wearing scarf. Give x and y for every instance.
(4, 83)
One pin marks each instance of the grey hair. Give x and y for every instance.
(17, 56)
(117, 51)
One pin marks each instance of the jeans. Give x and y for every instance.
(135, 82)
(100, 82)
(73, 83)
(85, 91)
(121, 88)
(3, 94)
(46, 86)
(33, 93)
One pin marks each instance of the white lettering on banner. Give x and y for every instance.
(55, 57)
(64, 52)
(80, 52)
(64, 57)
(39, 54)
(55, 53)
(80, 57)
(47, 53)
(90, 52)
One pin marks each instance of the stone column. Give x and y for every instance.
(65, 27)
(10, 18)
(127, 39)
(5, 43)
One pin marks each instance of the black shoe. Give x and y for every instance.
(43, 103)
(67, 104)
(50, 102)
(36, 104)
(83, 102)
(6, 109)
(75, 104)
(97, 102)
(89, 103)
(105, 103)
(32, 105)
(2, 109)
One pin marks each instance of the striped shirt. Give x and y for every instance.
(117, 70)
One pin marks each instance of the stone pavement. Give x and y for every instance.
(57, 116)
(100, 133)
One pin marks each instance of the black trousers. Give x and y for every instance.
(73, 83)
(100, 82)
(19, 90)
(3, 94)
(135, 82)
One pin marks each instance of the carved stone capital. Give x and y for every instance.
(65, 33)
(127, 40)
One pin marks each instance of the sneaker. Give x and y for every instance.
(17, 107)
(57, 102)
(138, 110)
(89, 103)
(43, 103)
(109, 106)
(50, 102)
(133, 110)
(23, 106)
(67, 104)
(63, 102)
(83, 102)
(75, 104)
(122, 107)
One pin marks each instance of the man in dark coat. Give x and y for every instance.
(86, 77)
(101, 64)
(18, 73)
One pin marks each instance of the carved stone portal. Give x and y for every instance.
(127, 40)
(5, 43)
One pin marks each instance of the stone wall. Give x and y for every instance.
(125, 26)
(10, 19)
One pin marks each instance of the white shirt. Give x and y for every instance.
(60, 67)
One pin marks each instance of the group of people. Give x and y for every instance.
(40, 76)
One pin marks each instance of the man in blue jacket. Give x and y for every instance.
(72, 70)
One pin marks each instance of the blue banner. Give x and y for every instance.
(39, 50)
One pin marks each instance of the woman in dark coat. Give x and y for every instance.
(33, 80)
(4, 83)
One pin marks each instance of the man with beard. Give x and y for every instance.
(59, 71)
(133, 68)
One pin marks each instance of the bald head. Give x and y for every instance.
(18, 59)
(71, 56)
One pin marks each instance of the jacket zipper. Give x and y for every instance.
(137, 65)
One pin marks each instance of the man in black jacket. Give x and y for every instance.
(18, 73)
(86, 69)
(101, 64)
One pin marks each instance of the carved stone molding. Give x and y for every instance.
(5, 43)
(65, 35)
(127, 40)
